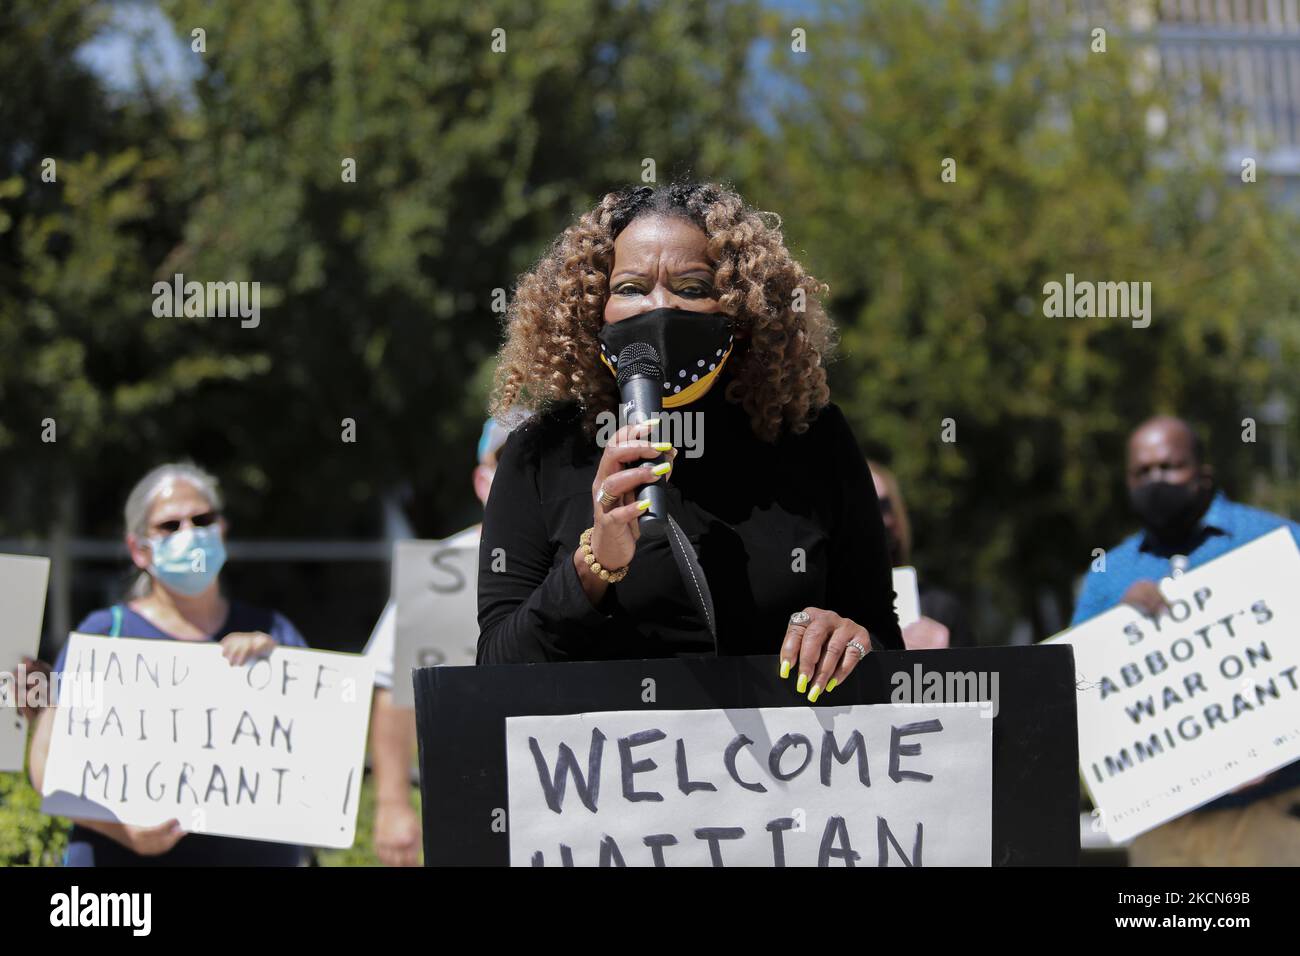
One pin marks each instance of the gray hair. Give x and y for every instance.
(146, 490)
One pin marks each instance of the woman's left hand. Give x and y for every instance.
(243, 647)
(32, 682)
(817, 643)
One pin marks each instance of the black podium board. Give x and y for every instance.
(461, 713)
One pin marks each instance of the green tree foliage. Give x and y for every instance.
(81, 218)
(938, 286)
(476, 134)
(378, 295)
(27, 836)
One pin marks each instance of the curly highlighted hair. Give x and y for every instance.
(551, 354)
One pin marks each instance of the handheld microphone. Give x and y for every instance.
(640, 388)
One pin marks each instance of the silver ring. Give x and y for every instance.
(606, 498)
(857, 646)
(800, 617)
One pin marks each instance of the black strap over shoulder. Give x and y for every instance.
(697, 585)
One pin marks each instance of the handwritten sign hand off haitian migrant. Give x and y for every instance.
(151, 730)
(1177, 710)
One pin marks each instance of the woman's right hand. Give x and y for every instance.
(152, 841)
(615, 530)
(1145, 596)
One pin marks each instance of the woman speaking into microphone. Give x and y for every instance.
(772, 491)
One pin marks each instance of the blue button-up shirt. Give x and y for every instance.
(1224, 526)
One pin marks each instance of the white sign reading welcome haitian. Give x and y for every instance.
(861, 785)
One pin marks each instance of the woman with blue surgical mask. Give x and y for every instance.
(176, 536)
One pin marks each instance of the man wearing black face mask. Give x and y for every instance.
(1186, 522)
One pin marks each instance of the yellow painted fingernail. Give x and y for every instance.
(832, 685)
(662, 469)
(643, 505)
(785, 669)
(662, 446)
(814, 693)
(803, 683)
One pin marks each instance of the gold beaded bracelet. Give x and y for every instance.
(613, 577)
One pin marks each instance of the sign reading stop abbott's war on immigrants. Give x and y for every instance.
(1177, 710)
(863, 785)
(435, 585)
(22, 607)
(151, 730)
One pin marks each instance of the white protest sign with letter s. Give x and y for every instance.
(150, 730)
(868, 785)
(907, 600)
(1176, 711)
(435, 584)
(23, 581)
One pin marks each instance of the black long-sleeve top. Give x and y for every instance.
(777, 527)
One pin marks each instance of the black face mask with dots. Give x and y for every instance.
(694, 347)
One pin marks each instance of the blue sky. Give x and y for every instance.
(140, 37)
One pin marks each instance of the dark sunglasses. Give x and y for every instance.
(173, 525)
